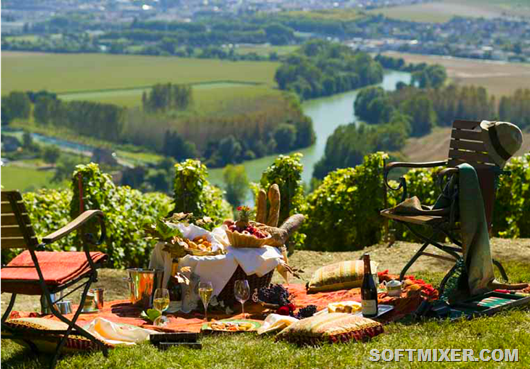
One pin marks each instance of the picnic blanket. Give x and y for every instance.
(122, 311)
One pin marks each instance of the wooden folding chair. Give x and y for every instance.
(466, 146)
(17, 232)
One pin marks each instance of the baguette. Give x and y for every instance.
(274, 211)
(261, 214)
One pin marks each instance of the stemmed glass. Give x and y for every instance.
(205, 292)
(242, 293)
(161, 303)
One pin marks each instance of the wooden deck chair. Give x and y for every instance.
(45, 273)
(466, 146)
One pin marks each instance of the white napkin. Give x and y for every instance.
(276, 322)
(117, 334)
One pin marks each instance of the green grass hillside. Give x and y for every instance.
(93, 72)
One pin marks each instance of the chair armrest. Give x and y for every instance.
(77, 223)
(402, 182)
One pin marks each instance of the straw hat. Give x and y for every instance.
(502, 140)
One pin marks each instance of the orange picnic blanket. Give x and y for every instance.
(57, 268)
(121, 311)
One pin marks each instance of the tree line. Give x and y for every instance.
(322, 68)
(165, 97)
(389, 118)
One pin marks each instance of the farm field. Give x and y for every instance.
(442, 11)
(26, 179)
(63, 73)
(499, 78)
(265, 50)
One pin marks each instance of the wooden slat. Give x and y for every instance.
(13, 194)
(465, 124)
(471, 156)
(467, 145)
(474, 164)
(11, 243)
(7, 209)
(11, 231)
(466, 135)
(10, 219)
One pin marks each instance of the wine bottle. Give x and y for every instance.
(175, 289)
(368, 290)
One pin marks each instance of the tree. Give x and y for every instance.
(45, 109)
(236, 181)
(18, 104)
(64, 169)
(51, 154)
(372, 105)
(6, 115)
(230, 150)
(423, 117)
(285, 137)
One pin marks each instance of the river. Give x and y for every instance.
(327, 113)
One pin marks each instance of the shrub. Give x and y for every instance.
(127, 212)
(48, 211)
(343, 212)
(286, 172)
(194, 194)
(511, 217)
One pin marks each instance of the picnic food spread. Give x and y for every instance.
(228, 326)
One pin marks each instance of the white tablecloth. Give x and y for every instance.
(217, 269)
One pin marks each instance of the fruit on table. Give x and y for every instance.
(249, 230)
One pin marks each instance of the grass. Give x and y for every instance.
(342, 15)
(266, 50)
(27, 179)
(63, 73)
(507, 330)
(499, 78)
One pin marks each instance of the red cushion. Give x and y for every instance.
(57, 268)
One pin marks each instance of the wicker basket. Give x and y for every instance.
(255, 282)
(246, 241)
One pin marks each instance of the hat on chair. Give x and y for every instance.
(502, 140)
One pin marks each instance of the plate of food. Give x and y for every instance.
(231, 326)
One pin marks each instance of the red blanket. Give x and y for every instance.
(57, 268)
(122, 311)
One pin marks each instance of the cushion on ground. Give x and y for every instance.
(338, 276)
(57, 268)
(45, 335)
(334, 327)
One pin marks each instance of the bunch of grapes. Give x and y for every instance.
(306, 312)
(274, 294)
(248, 230)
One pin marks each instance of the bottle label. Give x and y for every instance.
(369, 307)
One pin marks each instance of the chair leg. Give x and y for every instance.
(72, 324)
(9, 308)
(501, 269)
(413, 260)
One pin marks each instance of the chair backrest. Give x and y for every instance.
(16, 230)
(467, 146)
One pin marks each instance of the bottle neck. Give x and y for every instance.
(367, 266)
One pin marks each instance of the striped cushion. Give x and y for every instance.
(34, 330)
(339, 276)
(333, 327)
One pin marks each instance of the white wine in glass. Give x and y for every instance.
(205, 292)
(161, 303)
(242, 293)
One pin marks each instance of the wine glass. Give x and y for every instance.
(161, 303)
(242, 293)
(205, 292)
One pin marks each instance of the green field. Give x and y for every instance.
(341, 15)
(63, 73)
(444, 10)
(265, 50)
(27, 179)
